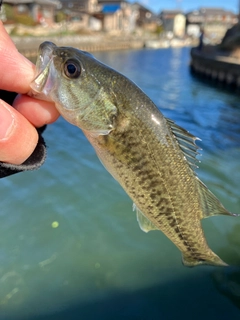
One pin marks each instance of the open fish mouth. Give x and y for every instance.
(43, 83)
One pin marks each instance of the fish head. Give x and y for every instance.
(74, 80)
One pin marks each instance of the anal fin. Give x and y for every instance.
(210, 203)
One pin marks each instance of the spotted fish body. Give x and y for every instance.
(150, 156)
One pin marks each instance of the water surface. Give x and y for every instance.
(70, 245)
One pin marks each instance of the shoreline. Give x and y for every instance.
(28, 45)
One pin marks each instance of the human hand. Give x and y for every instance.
(18, 136)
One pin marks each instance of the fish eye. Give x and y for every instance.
(72, 69)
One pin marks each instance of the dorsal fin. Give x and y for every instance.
(210, 204)
(186, 142)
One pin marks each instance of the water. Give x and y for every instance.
(70, 245)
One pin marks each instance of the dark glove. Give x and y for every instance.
(34, 162)
(38, 156)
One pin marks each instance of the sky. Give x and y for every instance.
(188, 5)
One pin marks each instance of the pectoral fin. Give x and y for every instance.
(98, 115)
(145, 224)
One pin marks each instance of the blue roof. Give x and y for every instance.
(111, 8)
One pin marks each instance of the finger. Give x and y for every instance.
(18, 137)
(16, 71)
(38, 112)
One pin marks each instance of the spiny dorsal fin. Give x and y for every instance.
(211, 205)
(186, 142)
(145, 224)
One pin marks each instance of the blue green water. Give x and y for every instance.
(70, 245)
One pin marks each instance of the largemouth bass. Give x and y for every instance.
(151, 157)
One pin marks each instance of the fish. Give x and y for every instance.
(152, 158)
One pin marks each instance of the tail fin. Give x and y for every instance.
(212, 260)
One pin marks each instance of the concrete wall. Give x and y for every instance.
(218, 68)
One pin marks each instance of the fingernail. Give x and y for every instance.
(6, 121)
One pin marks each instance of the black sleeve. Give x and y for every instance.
(34, 162)
(38, 156)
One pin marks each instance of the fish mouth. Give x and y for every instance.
(44, 80)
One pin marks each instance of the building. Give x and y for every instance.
(117, 16)
(146, 19)
(81, 12)
(40, 11)
(215, 21)
(174, 22)
(87, 6)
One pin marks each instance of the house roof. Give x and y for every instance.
(210, 11)
(142, 7)
(54, 3)
(172, 12)
(111, 1)
(200, 16)
(110, 8)
(207, 10)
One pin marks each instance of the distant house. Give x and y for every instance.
(41, 11)
(117, 16)
(215, 21)
(146, 19)
(174, 22)
(112, 17)
(82, 12)
(87, 6)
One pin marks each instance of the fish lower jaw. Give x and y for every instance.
(39, 95)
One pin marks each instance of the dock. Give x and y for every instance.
(215, 65)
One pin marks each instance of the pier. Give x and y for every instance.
(216, 65)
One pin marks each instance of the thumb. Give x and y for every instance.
(18, 137)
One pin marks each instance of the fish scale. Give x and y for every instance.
(150, 156)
